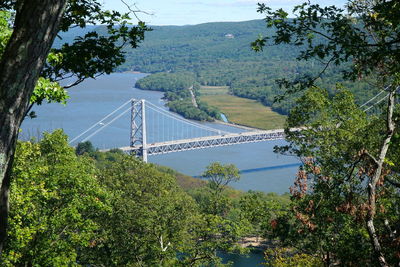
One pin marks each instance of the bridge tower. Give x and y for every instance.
(138, 127)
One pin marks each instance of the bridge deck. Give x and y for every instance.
(206, 142)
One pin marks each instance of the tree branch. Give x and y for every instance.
(134, 12)
(390, 126)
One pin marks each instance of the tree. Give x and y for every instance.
(23, 61)
(149, 220)
(84, 147)
(281, 257)
(328, 198)
(219, 177)
(209, 234)
(260, 210)
(55, 205)
(368, 36)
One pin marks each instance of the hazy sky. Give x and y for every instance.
(182, 12)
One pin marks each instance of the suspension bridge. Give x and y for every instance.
(154, 130)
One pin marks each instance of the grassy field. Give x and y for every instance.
(242, 110)
(214, 90)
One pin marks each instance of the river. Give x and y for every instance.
(90, 101)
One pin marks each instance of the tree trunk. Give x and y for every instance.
(36, 25)
(375, 178)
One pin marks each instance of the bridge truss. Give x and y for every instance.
(166, 142)
(140, 147)
(205, 142)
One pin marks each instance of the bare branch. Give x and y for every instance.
(136, 10)
(79, 80)
(390, 126)
(354, 165)
(366, 153)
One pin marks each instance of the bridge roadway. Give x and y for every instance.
(206, 142)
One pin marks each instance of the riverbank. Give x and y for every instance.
(256, 243)
(238, 125)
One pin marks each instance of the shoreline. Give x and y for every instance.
(238, 125)
(194, 103)
(254, 243)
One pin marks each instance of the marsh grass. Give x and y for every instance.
(245, 111)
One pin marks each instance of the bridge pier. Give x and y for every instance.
(138, 127)
(144, 132)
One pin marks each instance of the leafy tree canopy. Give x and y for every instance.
(366, 33)
(28, 31)
(344, 192)
(55, 203)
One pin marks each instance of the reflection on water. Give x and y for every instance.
(284, 166)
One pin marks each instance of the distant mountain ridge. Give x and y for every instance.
(219, 53)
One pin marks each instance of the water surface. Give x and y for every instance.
(261, 169)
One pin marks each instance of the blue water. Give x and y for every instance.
(224, 119)
(261, 169)
(255, 258)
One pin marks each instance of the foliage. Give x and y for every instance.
(220, 175)
(158, 224)
(261, 210)
(211, 233)
(55, 202)
(330, 201)
(23, 62)
(186, 109)
(5, 31)
(283, 257)
(344, 192)
(172, 82)
(186, 182)
(47, 90)
(367, 33)
(104, 159)
(93, 53)
(212, 59)
(150, 216)
(108, 208)
(84, 147)
(85, 56)
(71, 210)
(218, 227)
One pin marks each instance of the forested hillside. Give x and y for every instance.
(84, 207)
(221, 54)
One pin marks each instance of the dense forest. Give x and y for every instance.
(221, 54)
